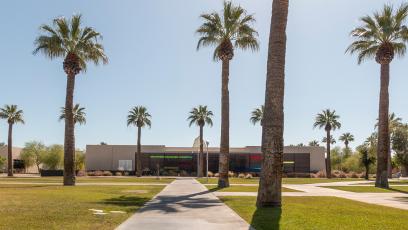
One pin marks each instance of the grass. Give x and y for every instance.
(285, 180)
(243, 189)
(89, 180)
(318, 213)
(57, 207)
(362, 189)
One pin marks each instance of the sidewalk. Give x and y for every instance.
(185, 204)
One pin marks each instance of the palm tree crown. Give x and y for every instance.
(200, 116)
(332, 140)
(257, 115)
(382, 36)
(314, 143)
(66, 39)
(327, 120)
(346, 138)
(232, 29)
(12, 114)
(139, 117)
(79, 114)
(393, 122)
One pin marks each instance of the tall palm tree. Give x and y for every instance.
(393, 123)
(13, 115)
(232, 29)
(328, 120)
(332, 140)
(201, 116)
(79, 114)
(314, 143)
(346, 138)
(381, 37)
(270, 183)
(77, 45)
(139, 117)
(257, 115)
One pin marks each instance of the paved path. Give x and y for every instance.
(185, 204)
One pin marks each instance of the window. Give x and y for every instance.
(125, 165)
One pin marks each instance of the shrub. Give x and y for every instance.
(241, 175)
(354, 175)
(321, 174)
(217, 175)
(184, 173)
(98, 173)
(126, 173)
(81, 173)
(248, 176)
(210, 174)
(107, 173)
(231, 174)
(342, 175)
(90, 173)
(118, 174)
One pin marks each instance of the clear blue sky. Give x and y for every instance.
(153, 62)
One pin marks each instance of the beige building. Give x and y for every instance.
(184, 159)
(18, 164)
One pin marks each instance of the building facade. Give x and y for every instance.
(18, 163)
(183, 160)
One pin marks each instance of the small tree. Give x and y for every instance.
(33, 154)
(79, 160)
(366, 159)
(53, 158)
(2, 163)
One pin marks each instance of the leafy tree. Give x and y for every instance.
(33, 154)
(103, 143)
(79, 114)
(270, 183)
(346, 138)
(314, 143)
(366, 159)
(201, 116)
(381, 37)
(393, 123)
(79, 160)
(13, 115)
(139, 117)
(54, 157)
(2, 144)
(2, 163)
(328, 120)
(77, 45)
(232, 29)
(257, 115)
(400, 145)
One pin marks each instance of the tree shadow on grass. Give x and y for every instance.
(397, 190)
(132, 202)
(26, 186)
(267, 218)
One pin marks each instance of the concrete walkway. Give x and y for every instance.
(185, 204)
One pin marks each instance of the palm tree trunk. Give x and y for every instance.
(201, 161)
(328, 159)
(381, 180)
(389, 164)
(10, 151)
(224, 146)
(270, 184)
(139, 153)
(367, 171)
(69, 140)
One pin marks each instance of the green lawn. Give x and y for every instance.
(318, 213)
(58, 207)
(243, 189)
(285, 180)
(403, 189)
(90, 180)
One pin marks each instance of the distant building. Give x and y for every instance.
(18, 164)
(297, 159)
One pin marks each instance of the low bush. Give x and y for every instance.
(241, 175)
(217, 175)
(118, 173)
(81, 173)
(231, 174)
(320, 174)
(210, 174)
(107, 173)
(248, 176)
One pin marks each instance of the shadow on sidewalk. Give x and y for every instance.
(166, 204)
(267, 218)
